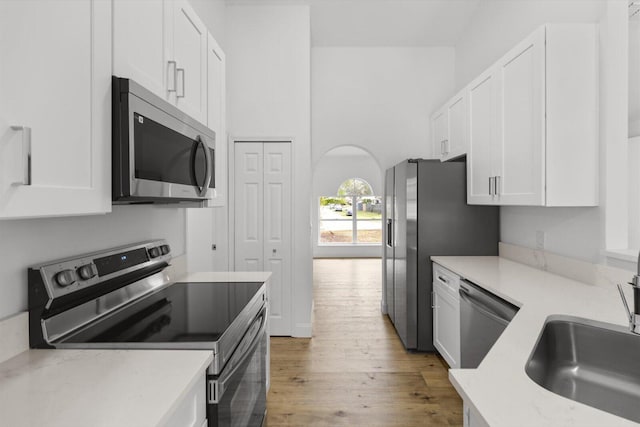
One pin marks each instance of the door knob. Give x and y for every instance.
(274, 251)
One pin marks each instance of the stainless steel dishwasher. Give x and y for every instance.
(483, 317)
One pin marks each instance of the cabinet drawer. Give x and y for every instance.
(446, 278)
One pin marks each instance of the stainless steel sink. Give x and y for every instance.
(591, 362)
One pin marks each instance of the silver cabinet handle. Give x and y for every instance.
(491, 186)
(172, 65)
(180, 71)
(442, 147)
(26, 154)
(496, 184)
(433, 299)
(443, 279)
(446, 146)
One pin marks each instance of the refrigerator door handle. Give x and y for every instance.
(389, 232)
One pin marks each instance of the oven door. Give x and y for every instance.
(238, 396)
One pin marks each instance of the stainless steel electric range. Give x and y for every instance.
(124, 298)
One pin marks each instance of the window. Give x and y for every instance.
(352, 216)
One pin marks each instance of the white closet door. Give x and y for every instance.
(249, 193)
(263, 206)
(277, 233)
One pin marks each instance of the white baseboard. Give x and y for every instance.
(302, 330)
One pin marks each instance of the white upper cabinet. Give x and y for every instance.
(456, 144)
(142, 44)
(519, 174)
(439, 129)
(162, 45)
(216, 116)
(55, 114)
(482, 138)
(449, 129)
(532, 117)
(190, 53)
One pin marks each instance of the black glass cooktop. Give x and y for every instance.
(182, 312)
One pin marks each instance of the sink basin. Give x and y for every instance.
(591, 362)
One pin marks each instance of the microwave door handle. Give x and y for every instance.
(207, 156)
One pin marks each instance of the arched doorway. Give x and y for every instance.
(347, 189)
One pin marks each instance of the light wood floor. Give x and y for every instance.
(355, 371)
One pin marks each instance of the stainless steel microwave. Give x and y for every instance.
(159, 154)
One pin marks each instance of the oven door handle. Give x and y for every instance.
(217, 387)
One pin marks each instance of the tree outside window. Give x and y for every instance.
(352, 216)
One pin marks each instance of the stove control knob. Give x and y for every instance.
(65, 277)
(165, 249)
(87, 271)
(155, 252)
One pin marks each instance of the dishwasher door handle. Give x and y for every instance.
(482, 308)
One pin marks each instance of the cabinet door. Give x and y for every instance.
(216, 116)
(456, 144)
(190, 53)
(439, 130)
(521, 131)
(55, 80)
(446, 321)
(471, 416)
(142, 44)
(482, 123)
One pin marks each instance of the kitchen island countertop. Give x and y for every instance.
(499, 388)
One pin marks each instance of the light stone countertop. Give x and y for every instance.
(69, 388)
(499, 388)
(100, 388)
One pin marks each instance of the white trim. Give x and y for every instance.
(302, 330)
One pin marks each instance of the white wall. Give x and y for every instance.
(268, 92)
(378, 98)
(213, 14)
(32, 241)
(496, 27)
(499, 24)
(328, 173)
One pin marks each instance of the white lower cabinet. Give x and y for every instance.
(192, 411)
(471, 417)
(446, 315)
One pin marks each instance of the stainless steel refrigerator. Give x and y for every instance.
(426, 214)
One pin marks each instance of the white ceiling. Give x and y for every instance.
(384, 22)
